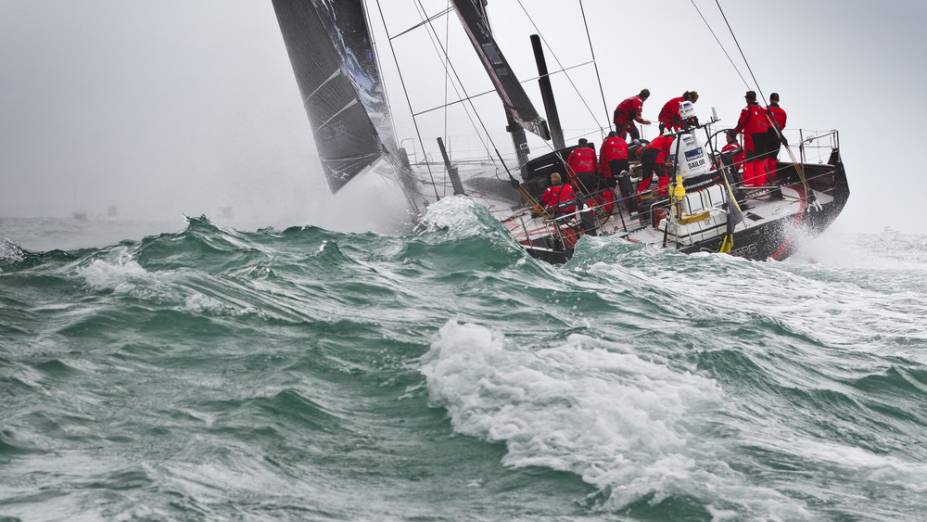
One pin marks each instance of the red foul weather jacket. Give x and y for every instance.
(556, 194)
(669, 114)
(581, 159)
(613, 148)
(778, 115)
(738, 153)
(663, 145)
(752, 120)
(628, 111)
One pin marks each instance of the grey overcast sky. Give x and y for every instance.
(182, 106)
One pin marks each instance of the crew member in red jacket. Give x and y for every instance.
(581, 165)
(732, 153)
(559, 197)
(613, 158)
(629, 111)
(669, 115)
(754, 124)
(653, 160)
(775, 137)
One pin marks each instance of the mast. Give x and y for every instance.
(547, 94)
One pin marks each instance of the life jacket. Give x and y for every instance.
(752, 120)
(581, 159)
(557, 194)
(628, 110)
(778, 115)
(669, 114)
(663, 145)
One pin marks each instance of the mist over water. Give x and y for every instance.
(209, 373)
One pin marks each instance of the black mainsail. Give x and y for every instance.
(332, 54)
(513, 96)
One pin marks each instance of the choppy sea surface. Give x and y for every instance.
(303, 374)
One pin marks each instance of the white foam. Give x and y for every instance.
(10, 251)
(457, 214)
(119, 271)
(880, 469)
(628, 426)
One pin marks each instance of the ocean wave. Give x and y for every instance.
(630, 382)
(117, 271)
(10, 251)
(627, 425)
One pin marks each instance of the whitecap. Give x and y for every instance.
(459, 215)
(629, 426)
(118, 271)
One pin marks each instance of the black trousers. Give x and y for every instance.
(628, 128)
(761, 147)
(648, 163)
(774, 144)
(588, 182)
(616, 166)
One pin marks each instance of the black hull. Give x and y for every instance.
(772, 240)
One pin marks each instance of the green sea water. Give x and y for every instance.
(304, 374)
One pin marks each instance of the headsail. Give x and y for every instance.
(332, 55)
(513, 96)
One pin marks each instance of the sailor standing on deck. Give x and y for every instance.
(628, 112)
(581, 165)
(669, 115)
(775, 137)
(754, 124)
(613, 160)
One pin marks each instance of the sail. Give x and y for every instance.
(336, 69)
(514, 97)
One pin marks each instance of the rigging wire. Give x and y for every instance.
(444, 58)
(742, 55)
(515, 184)
(490, 91)
(416, 26)
(721, 45)
(406, 93)
(596, 65)
(464, 89)
(447, 32)
(554, 54)
(799, 167)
